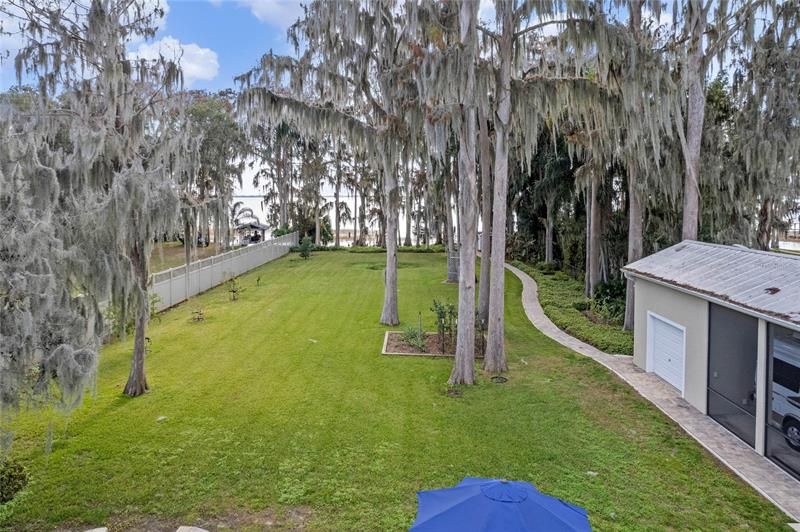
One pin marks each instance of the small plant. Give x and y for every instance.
(446, 317)
(13, 479)
(198, 315)
(235, 288)
(415, 336)
(306, 245)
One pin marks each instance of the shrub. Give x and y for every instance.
(415, 336)
(235, 288)
(446, 315)
(609, 301)
(13, 479)
(282, 230)
(561, 276)
(434, 248)
(198, 314)
(367, 249)
(581, 306)
(306, 245)
(547, 268)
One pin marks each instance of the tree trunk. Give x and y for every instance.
(464, 366)
(418, 223)
(336, 199)
(390, 315)
(548, 230)
(448, 215)
(137, 382)
(283, 189)
(495, 357)
(635, 250)
(594, 233)
(486, 214)
(587, 292)
(695, 116)
(635, 214)
(316, 224)
(355, 217)
(764, 234)
(362, 238)
(187, 248)
(409, 208)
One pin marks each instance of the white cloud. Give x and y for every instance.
(197, 63)
(278, 13)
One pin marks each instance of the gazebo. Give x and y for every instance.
(251, 232)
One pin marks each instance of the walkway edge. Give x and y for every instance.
(773, 483)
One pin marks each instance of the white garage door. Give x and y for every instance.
(666, 350)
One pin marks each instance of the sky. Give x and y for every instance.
(215, 39)
(221, 39)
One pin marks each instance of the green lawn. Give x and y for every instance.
(558, 294)
(171, 255)
(279, 409)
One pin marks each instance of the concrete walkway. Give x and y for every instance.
(767, 478)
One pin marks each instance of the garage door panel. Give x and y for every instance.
(667, 351)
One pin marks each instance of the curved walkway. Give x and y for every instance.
(764, 476)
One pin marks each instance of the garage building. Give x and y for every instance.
(721, 324)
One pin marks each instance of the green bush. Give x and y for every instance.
(561, 276)
(581, 306)
(306, 245)
(13, 479)
(282, 230)
(435, 248)
(547, 268)
(315, 248)
(609, 301)
(559, 298)
(367, 249)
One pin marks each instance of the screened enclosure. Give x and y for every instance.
(783, 399)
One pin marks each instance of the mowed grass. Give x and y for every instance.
(279, 408)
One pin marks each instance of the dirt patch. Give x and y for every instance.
(395, 345)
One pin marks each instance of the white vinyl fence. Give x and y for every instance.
(170, 285)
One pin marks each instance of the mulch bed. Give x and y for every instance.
(396, 346)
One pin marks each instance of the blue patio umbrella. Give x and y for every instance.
(491, 505)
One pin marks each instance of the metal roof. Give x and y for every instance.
(761, 282)
(252, 225)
